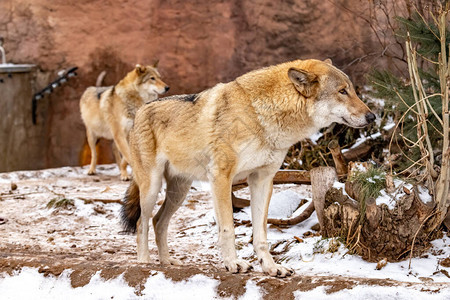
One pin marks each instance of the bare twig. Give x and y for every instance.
(415, 235)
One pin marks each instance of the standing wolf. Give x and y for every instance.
(108, 112)
(241, 129)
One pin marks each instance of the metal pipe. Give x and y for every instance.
(3, 55)
(2, 50)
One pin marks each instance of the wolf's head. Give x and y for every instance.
(333, 95)
(148, 82)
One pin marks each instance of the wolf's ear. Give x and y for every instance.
(305, 82)
(155, 65)
(140, 69)
(328, 61)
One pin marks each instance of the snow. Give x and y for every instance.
(364, 292)
(315, 137)
(194, 235)
(424, 194)
(386, 199)
(362, 139)
(283, 204)
(378, 102)
(389, 125)
(341, 186)
(156, 287)
(315, 260)
(391, 199)
(40, 287)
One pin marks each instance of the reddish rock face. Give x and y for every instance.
(199, 43)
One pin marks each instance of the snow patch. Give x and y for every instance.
(315, 137)
(37, 286)
(156, 287)
(366, 292)
(424, 194)
(391, 199)
(284, 204)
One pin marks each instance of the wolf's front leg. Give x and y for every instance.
(221, 188)
(260, 184)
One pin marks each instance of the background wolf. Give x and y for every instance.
(235, 130)
(108, 112)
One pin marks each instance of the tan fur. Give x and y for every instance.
(241, 129)
(108, 112)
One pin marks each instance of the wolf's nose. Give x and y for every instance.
(166, 88)
(370, 117)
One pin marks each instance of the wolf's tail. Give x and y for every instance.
(131, 209)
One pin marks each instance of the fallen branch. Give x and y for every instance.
(3, 196)
(285, 176)
(359, 152)
(292, 221)
(106, 201)
(239, 202)
(281, 177)
(322, 178)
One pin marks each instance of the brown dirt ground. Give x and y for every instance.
(53, 241)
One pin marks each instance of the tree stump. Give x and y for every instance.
(375, 231)
(322, 179)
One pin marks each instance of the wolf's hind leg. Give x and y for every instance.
(121, 162)
(92, 141)
(148, 194)
(177, 188)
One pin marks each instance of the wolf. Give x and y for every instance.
(240, 129)
(108, 112)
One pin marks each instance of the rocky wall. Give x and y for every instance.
(198, 43)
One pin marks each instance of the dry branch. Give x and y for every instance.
(106, 201)
(239, 202)
(292, 221)
(292, 176)
(338, 157)
(358, 152)
(285, 176)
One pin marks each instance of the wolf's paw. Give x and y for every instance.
(145, 259)
(237, 266)
(91, 172)
(124, 177)
(170, 261)
(277, 270)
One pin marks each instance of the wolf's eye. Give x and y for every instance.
(152, 78)
(343, 92)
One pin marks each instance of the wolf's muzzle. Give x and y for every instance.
(370, 117)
